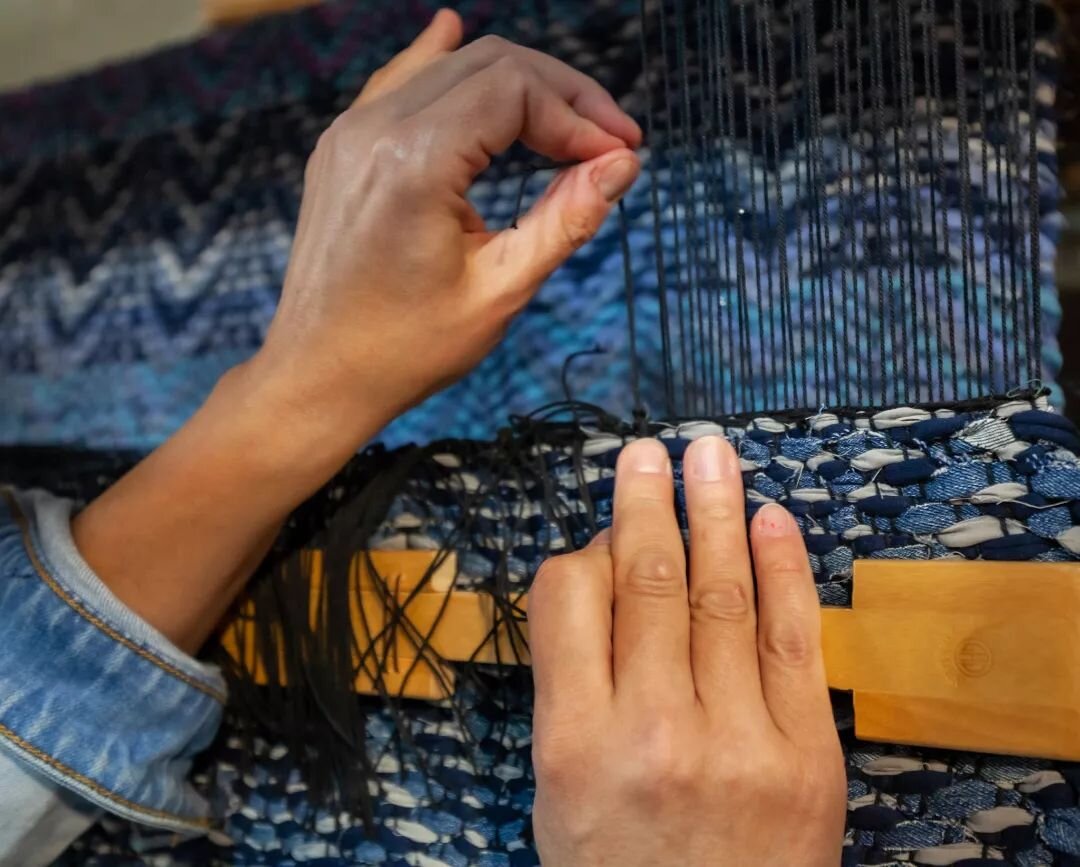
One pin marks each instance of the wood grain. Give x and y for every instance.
(969, 655)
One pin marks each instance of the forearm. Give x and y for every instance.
(178, 536)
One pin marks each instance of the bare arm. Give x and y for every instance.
(395, 288)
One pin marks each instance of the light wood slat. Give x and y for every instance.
(217, 13)
(969, 655)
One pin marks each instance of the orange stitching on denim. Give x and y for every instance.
(24, 528)
(96, 787)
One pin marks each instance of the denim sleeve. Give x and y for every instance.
(93, 701)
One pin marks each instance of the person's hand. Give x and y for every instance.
(396, 287)
(676, 723)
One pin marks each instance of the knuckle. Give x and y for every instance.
(787, 643)
(325, 145)
(557, 764)
(491, 45)
(556, 569)
(720, 510)
(754, 776)
(550, 571)
(334, 139)
(326, 140)
(553, 574)
(721, 600)
(655, 571)
(491, 48)
(786, 571)
(577, 227)
(512, 74)
(665, 766)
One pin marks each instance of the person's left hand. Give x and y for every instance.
(396, 287)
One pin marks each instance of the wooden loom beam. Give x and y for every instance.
(972, 655)
(218, 13)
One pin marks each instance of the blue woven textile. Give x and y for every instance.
(470, 806)
(993, 483)
(146, 218)
(145, 223)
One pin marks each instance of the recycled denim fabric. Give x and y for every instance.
(465, 796)
(40, 817)
(93, 701)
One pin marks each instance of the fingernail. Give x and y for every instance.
(774, 520)
(711, 459)
(615, 178)
(648, 456)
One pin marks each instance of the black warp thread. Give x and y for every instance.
(308, 701)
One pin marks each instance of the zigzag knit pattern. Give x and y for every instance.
(147, 210)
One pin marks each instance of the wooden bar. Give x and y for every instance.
(220, 13)
(971, 655)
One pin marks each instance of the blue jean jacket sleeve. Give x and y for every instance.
(93, 700)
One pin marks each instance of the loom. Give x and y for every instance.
(840, 257)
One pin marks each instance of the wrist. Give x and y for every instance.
(301, 424)
(177, 536)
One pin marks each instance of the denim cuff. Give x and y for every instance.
(90, 695)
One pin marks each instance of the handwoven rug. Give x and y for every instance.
(996, 480)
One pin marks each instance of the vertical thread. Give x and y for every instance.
(686, 160)
(1034, 205)
(972, 357)
(655, 157)
(786, 337)
(984, 136)
(631, 323)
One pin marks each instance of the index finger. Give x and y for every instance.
(442, 35)
(487, 112)
(582, 94)
(586, 96)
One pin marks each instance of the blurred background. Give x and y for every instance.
(44, 39)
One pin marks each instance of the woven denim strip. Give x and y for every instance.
(902, 483)
(997, 483)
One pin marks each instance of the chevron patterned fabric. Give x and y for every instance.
(146, 215)
(147, 210)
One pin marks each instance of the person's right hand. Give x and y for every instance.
(676, 722)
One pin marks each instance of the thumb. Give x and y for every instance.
(566, 217)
